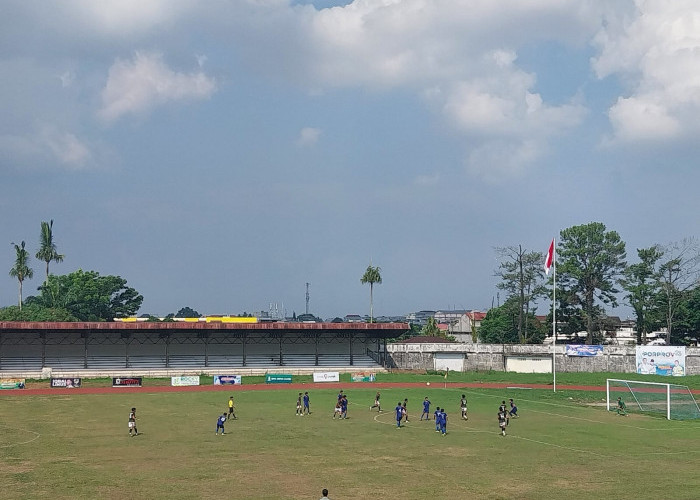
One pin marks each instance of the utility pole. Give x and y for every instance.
(307, 298)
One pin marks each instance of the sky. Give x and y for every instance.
(220, 155)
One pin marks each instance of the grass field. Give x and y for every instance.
(77, 446)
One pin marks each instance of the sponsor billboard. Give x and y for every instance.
(661, 360)
(326, 377)
(278, 378)
(12, 383)
(127, 381)
(66, 383)
(363, 377)
(584, 350)
(184, 380)
(227, 380)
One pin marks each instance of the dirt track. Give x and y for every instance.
(271, 387)
(267, 387)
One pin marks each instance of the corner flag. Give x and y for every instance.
(550, 258)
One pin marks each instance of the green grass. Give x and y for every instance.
(76, 446)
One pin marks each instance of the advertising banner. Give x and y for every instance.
(661, 360)
(66, 383)
(127, 381)
(326, 377)
(227, 380)
(184, 380)
(12, 383)
(584, 350)
(277, 378)
(363, 377)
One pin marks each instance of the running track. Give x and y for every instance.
(266, 387)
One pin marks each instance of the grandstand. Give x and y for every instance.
(81, 348)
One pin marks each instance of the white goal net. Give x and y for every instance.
(675, 402)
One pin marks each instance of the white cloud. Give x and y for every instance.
(46, 146)
(498, 160)
(463, 60)
(655, 50)
(66, 79)
(67, 148)
(308, 136)
(138, 85)
(427, 180)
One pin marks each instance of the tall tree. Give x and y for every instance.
(21, 269)
(90, 297)
(678, 273)
(47, 247)
(641, 281)
(187, 312)
(522, 277)
(372, 275)
(501, 325)
(591, 261)
(431, 328)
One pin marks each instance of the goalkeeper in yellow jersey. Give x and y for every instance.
(621, 407)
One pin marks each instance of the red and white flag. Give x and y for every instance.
(550, 258)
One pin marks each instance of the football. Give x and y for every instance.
(427, 383)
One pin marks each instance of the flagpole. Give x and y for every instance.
(554, 316)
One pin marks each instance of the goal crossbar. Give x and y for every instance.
(673, 400)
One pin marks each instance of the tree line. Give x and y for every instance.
(77, 296)
(592, 272)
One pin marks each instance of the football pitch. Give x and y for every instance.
(562, 445)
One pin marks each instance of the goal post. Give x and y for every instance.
(674, 401)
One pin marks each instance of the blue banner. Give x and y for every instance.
(584, 350)
(227, 380)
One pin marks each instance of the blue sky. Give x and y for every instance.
(221, 155)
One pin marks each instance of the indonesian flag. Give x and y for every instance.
(549, 259)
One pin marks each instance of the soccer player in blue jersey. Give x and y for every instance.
(426, 409)
(513, 409)
(443, 422)
(399, 414)
(437, 419)
(220, 424)
(307, 408)
(344, 407)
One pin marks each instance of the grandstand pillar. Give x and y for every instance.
(384, 356)
(245, 342)
(43, 349)
(86, 336)
(352, 337)
(206, 349)
(167, 350)
(127, 341)
(281, 359)
(317, 339)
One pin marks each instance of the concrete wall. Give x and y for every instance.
(483, 357)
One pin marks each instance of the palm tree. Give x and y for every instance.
(372, 275)
(47, 251)
(21, 269)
